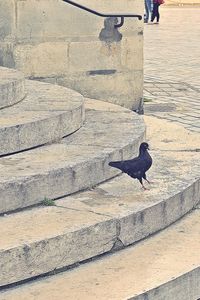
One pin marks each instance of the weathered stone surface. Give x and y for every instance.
(48, 113)
(63, 168)
(97, 56)
(117, 211)
(116, 88)
(11, 87)
(87, 224)
(6, 54)
(131, 53)
(107, 7)
(53, 19)
(165, 266)
(76, 243)
(110, 32)
(71, 23)
(42, 60)
(7, 21)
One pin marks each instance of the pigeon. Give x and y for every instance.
(136, 167)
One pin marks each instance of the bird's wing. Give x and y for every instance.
(134, 167)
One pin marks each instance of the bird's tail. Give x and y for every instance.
(116, 164)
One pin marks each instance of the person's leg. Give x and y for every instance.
(146, 19)
(156, 11)
(149, 7)
(153, 13)
(158, 14)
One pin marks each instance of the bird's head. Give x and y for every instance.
(144, 147)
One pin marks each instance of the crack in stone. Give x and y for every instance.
(83, 210)
(118, 244)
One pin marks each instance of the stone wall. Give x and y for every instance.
(53, 41)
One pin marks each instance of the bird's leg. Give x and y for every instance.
(145, 178)
(140, 180)
(149, 182)
(145, 189)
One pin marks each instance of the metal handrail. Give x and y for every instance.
(94, 12)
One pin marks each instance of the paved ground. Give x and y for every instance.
(172, 67)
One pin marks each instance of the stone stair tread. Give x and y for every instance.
(62, 168)
(12, 88)
(90, 223)
(47, 113)
(152, 269)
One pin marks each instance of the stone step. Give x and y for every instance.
(165, 266)
(46, 114)
(76, 163)
(114, 215)
(11, 87)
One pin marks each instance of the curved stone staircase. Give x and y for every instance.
(57, 147)
(46, 113)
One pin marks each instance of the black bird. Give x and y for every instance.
(136, 167)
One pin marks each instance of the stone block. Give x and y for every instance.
(122, 88)
(53, 19)
(132, 52)
(94, 55)
(95, 238)
(42, 60)
(164, 266)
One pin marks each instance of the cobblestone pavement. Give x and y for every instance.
(172, 67)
